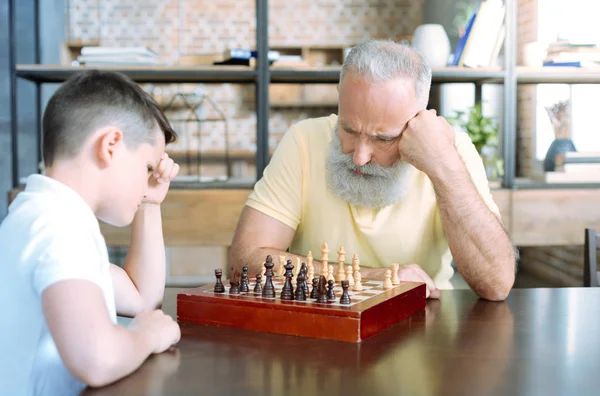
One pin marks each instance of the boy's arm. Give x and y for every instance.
(140, 284)
(96, 351)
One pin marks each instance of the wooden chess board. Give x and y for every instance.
(371, 310)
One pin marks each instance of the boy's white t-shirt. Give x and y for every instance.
(50, 234)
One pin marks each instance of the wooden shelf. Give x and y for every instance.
(331, 75)
(557, 75)
(147, 74)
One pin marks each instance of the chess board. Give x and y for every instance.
(371, 310)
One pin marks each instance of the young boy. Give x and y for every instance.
(104, 154)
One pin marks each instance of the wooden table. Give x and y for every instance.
(538, 342)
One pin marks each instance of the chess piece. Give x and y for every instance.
(395, 279)
(355, 263)
(301, 286)
(315, 288)
(322, 290)
(287, 292)
(258, 286)
(244, 282)
(330, 273)
(219, 287)
(349, 277)
(324, 260)
(310, 266)
(330, 292)
(281, 268)
(303, 270)
(357, 279)
(269, 290)
(345, 299)
(263, 270)
(341, 272)
(387, 283)
(234, 283)
(296, 271)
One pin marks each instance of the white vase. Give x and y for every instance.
(432, 42)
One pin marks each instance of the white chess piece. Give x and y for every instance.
(357, 279)
(355, 263)
(341, 273)
(296, 270)
(395, 279)
(324, 260)
(387, 283)
(281, 269)
(310, 268)
(264, 270)
(330, 273)
(349, 277)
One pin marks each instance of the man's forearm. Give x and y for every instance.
(479, 244)
(145, 263)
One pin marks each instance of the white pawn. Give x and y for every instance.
(281, 269)
(349, 277)
(357, 279)
(395, 279)
(387, 283)
(330, 273)
(263, 271)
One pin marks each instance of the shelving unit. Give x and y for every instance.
(262, 75)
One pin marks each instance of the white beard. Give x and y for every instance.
(379, 187)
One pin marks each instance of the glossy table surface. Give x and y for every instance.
(537, 342)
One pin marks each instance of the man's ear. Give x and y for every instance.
(110, 140)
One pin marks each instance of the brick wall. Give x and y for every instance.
(527, 28)
(178, 27)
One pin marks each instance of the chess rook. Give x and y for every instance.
(219, 287)
(345, 299)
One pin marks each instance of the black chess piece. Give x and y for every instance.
(304, 270)
(234, 282)
(258, 286)
(322, 290)
(300, 287)
(269, 290)
(330, 292)
(244, 288)
(287, 292)
(219, 287)
(345, 299)
(315, 288)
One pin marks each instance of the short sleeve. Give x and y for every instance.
(476, 169)
(278, 193)
(64, 256)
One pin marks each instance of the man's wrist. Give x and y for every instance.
(446, 168)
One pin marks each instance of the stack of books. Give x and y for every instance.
(120, 56)
(483, 37)
(565, 53)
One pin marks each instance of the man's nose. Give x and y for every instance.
(362, 153)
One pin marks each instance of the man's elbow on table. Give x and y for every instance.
(500, 287)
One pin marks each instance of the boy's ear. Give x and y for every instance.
(109, 142)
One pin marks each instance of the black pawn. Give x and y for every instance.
(234, 286)
(322, 290)
(345, 299)
(269, 290)
(287, 292)
(304, 270)
(330, 292)
(300, 288)
(315, 288)
(244, 283)
(219, 287)
(258, 286)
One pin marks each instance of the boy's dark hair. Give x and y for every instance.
(94, 99)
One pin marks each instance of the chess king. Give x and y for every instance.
(387, 179)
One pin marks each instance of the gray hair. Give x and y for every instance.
(385, 60)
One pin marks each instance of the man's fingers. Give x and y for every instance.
(417, 271)
(174, 171)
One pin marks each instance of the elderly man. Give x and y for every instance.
(387, 179)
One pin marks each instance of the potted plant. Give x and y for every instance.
(483, 132)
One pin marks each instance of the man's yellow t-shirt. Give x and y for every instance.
(294, 191)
